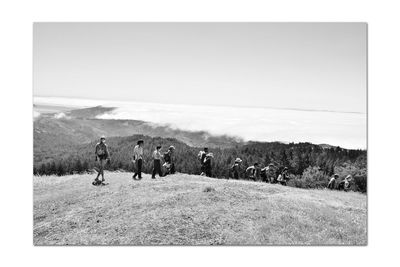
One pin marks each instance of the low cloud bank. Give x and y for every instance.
(36, 114)
(258, 124)
(61, 115)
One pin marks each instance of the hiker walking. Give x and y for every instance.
(157, 162)
(138, 159)
(169, 160)
(207, 164)
(345, 184)
(253, 172)
(202, 156)
(235, 168)
(283, 177)
(268, 173)
(102, 157)
(332, 181)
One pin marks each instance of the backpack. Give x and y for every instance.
(100, 151)
(207, 161)
(202, 156)
(234, 167)
(167, 157)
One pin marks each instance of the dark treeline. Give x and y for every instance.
(310, 165)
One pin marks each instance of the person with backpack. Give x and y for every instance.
(268, 173)
(332, 181)
(253, 172)
(235, 169)
(207, 164)
(157, 163)
(138, 159)
(345, 184)
(102, 157)
(263, 174)
(202, 156)
(169, 160)
(283, 177)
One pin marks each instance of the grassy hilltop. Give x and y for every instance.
(192, 210)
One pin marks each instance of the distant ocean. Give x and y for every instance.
(343, 129)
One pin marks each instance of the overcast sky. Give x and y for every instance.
(288, 65)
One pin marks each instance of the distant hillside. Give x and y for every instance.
(192, 210)
(55, 131)
(89, 113)
(326, 146)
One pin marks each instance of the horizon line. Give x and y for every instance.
(235, 106)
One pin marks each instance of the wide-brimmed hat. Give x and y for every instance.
(103, 137)
(211, 155)
(171, 148)
(238, 160)
(271, 164)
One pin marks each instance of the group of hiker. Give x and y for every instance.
(342, 185)
(268, 174)
(157, 156)
(254, 172)
(103, 157)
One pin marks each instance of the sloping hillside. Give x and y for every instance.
(55, 130)
(192, 210)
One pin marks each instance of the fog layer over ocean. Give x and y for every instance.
(343, 129)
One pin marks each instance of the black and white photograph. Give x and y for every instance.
(200, 134)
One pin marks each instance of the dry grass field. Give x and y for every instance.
(192, 210)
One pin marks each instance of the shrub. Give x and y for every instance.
(312, 177)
